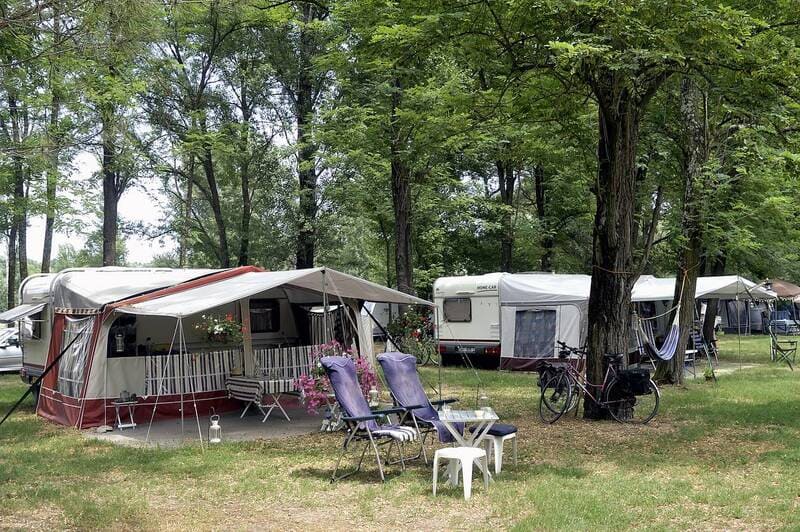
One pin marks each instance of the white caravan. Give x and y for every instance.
(468, 314)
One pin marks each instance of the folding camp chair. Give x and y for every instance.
(400, 371)
(361, 422)
(783, 350)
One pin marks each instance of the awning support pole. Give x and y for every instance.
(39, 379)
(161, 382)
(325, 335)
(191, 385)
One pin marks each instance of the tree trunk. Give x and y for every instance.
(19, 216)
(695, 156)
(547, 241)
(216, 207)
(710, 320)
(506, 181)
(187, 214)
(110, 202)
(401, 201)
(306, 150)
(11, 293)
(612, 255)
(54, 147)
(244, 177)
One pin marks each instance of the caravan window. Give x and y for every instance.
(535, 334)
(457, 309)
(265, 316)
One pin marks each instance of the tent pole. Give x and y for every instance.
(438, 351)
(180, 367)
(194, 397)
(161, 383)
(39, 379)
(325, 335)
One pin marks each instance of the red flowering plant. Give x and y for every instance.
(315, 388)
(220, 329)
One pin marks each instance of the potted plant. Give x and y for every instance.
(315, 388)
(220, 329)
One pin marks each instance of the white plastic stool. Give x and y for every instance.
(497, 443)
(463, 457)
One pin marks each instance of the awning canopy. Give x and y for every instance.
(21, 312)
(784, 289)
(311, 281)
(562, 288)
(91, 288)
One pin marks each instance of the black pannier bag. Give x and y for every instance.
(635, 380)
(546, 371)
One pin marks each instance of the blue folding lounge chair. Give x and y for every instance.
(361, 422)
(400, 371)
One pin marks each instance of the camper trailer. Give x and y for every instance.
(110, 333)
(468, 315)
(522, 317)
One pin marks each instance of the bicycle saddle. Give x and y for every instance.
(613, 356)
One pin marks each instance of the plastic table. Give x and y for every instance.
(482, 420)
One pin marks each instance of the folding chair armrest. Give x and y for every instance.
(414, 407)
(439, 402)
(358, 419)
(388, 411)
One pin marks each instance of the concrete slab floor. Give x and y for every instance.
(168, 433)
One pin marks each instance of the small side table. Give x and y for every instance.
(120, 406)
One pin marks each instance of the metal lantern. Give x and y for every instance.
(119, 342)
(214, 430)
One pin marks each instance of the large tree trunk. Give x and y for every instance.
(613, 273)
(306, 151)
(695, 155)
(506, 181)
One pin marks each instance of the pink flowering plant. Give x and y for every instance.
(315, 388)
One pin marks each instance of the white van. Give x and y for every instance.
(468, 315)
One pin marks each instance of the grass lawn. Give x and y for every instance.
(717, 456)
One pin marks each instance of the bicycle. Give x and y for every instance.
(630, 396)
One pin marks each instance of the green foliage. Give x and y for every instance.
(449, 90)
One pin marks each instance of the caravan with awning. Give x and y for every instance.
(132, 332)
(537, 311)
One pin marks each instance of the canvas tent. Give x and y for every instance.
(785, 316)
(124, 322)
(538, 310)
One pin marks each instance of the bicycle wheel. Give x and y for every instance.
(556, 397)
(628, 408)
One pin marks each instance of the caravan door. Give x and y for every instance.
(531, 333)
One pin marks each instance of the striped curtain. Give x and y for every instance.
(203, 371)
(286, 363)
